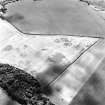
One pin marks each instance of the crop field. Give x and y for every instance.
(84, 81)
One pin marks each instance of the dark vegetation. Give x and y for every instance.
(86, 1)
(21, 86)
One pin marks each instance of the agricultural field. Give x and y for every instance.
(36, 35)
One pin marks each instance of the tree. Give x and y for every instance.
(21, 86)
